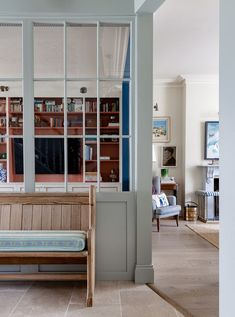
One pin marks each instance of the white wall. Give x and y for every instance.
(169, 99)
(202, 104)
(189, 103)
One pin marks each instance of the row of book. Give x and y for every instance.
(109, 107)
(16, 107)
(47, 106)
(90, 106)
(56, 122)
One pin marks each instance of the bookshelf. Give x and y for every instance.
(96, 131)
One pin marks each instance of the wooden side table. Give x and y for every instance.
(170, 186)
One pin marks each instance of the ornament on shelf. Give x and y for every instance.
(113, 175)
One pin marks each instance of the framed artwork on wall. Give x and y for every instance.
(161, 129)
(169, 158)
(211, 140)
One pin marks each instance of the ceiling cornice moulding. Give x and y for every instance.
(167, 82)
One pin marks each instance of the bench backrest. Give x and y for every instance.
(47, 211)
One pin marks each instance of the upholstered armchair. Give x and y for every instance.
(172, 210)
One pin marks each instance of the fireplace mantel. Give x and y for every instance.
(209, 194)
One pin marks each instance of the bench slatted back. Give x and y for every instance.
(45, 211)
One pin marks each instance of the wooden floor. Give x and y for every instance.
(186, 269)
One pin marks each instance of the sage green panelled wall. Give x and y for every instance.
(147, 6)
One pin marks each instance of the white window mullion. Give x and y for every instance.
(65, 112)
(98, 106)
(28, 109)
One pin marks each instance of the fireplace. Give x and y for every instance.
(208, 196)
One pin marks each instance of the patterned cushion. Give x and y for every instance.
(42, 240)
(161, 200)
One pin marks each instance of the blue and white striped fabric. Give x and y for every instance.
(43, 241)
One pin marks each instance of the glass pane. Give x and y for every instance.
(3, 160)
(125, 165)
(125, 108)
(81, 107)
(48, 50)
(14, 108)
(16, 163)
(49, 160)
(49, 108)
(11, 51)
(114, 50)
(81, 51)
(90, 116)
(75, 160)
(91, 160)
(111, 95)
(109, 159)
(3, 120)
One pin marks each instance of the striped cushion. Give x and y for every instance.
(42, 241)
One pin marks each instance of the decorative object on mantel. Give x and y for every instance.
(211, 140)
(161, 129)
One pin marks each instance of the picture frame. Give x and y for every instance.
(161, 129)
(211, 140)
(169, 156)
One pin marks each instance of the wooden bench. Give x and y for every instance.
(51, 211)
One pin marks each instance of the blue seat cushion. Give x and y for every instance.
(174, 210)
(43, 241)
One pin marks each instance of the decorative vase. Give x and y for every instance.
(164, 172)
(3, 174)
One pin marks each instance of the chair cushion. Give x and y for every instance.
(169, 210)
(161, 200)
(42, 240)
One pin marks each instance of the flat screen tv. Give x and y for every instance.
(49, 156)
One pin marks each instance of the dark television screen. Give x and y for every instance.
(49, 156)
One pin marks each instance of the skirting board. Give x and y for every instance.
(144, 274)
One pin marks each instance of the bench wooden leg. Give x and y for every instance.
(158, 224)
(90, 268)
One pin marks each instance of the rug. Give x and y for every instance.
(208, 231)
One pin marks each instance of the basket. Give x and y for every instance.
(190, 211)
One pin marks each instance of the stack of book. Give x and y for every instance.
(91, 177)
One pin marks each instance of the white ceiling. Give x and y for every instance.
(186, 38)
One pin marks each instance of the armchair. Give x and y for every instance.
(173, 210)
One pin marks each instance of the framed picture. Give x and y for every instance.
(168, 156)
(211, 140)
(161, 129)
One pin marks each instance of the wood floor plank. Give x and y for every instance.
(186, 269)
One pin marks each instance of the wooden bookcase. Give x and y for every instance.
(98, 131)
